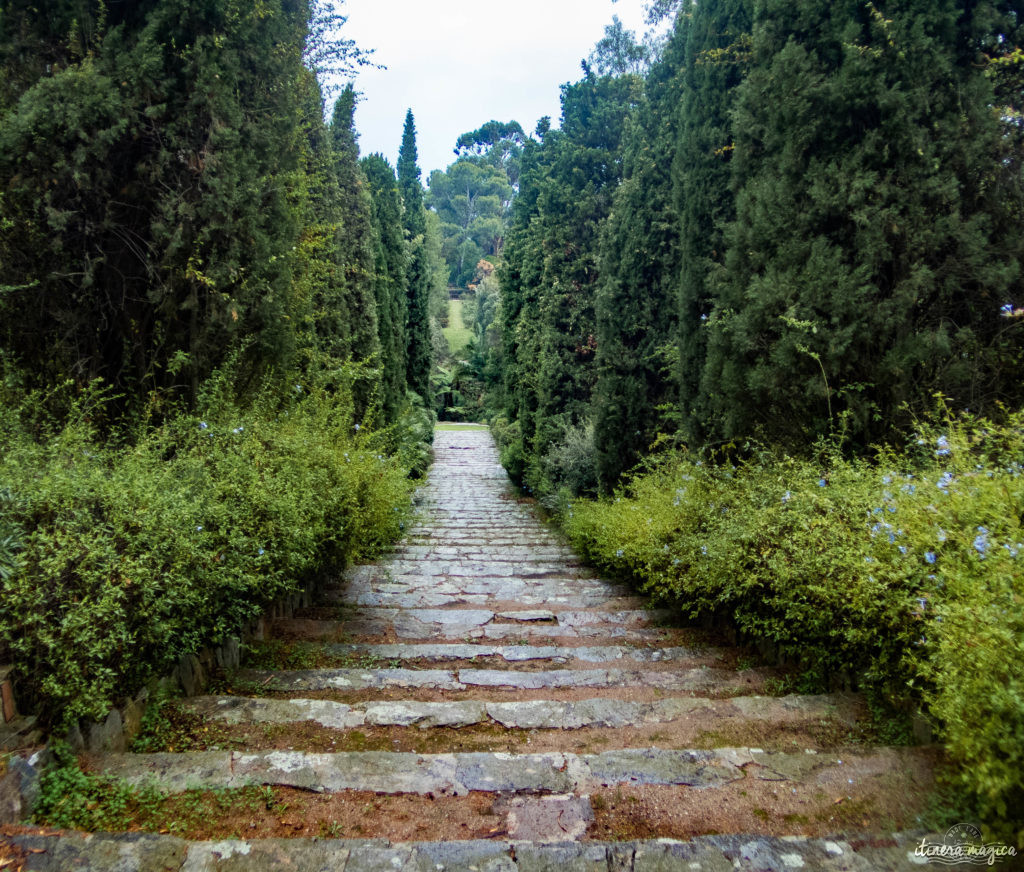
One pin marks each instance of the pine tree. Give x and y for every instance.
(419, 353)
(390, 258)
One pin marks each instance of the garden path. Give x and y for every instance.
(482, 700)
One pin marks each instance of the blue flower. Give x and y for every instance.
(1006, 309)
(943, 483)
(203, 425)
(786, 497)
(199, 528)
(822, 482)
(704, 549)
(356, 428)
(261, 552)
(903, 549)
(886, 479)
(981, 543)
(619, 553)
(930, 556)
(942, 447)
(941, 535)
(908, 489)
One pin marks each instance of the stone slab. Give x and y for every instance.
(236, 710)
(528, 615)
(151, 853)
(547, 818)
(425, 714)
(395, 772)
(349, 679)
(653, 766)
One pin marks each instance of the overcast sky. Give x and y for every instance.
(460, 63)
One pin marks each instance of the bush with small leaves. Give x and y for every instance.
(903, 576)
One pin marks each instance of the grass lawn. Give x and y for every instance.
(457, 333)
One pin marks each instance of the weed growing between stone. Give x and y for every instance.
(903, 576)
(71, 798)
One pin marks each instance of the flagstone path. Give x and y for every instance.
(494, 705)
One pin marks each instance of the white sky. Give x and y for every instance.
(460, 63)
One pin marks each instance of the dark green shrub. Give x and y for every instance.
(570, 465)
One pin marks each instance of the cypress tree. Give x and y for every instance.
(419, 352)
(520, 278)
(577, 198)
(637, 291)
(716, 49)
(389, 280)
(864, 269)
(567, 185)
(145, 181)
(354, 247)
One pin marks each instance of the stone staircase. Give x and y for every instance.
(493, 705)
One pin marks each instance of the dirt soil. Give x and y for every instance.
(880, 799)
(700, 730)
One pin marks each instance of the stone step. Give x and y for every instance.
(375, 577)
(722, 853)
(499, 587)
(315, 628)
(476, 623)
(698, 680)
(524, 715)
(556, 654)
(518, 553)
(499, 538)
(493, 567)
(427, 599)
(457, 774)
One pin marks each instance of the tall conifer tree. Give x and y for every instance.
(146, 181)
(864, 269)
(389, 280)
(567, 188)
(637, 292)
(354, 248)
(716, 52)
(419, 354)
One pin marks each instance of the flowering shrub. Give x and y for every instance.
(903, 575)
(129, 557)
